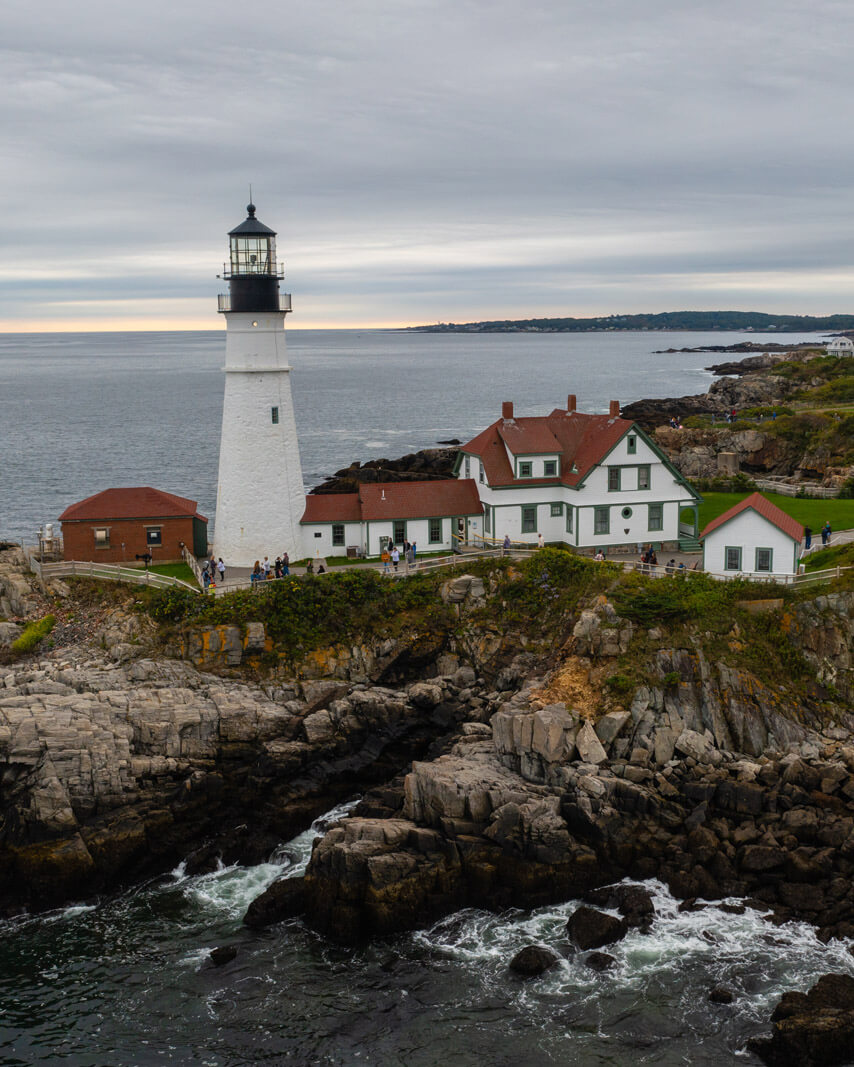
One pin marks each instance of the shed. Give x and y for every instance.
(122, 525)
(754, 538)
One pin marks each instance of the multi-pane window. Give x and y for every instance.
(274, 415)
(613, 479)
(102, 537)
(468, 466)
(557, 509)
(153, 535)
(732, 559)
(525, 470)
(399, 531)
(529, 520)
(569, 518)
(631, 444)
(337, 533)
(480, 477)
(656, 517)
(601, 520)
(764, 557)
(550, 468)
(486, 519)
(643, 477)
(435, 531)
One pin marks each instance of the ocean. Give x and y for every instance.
(85, 412)
(127, 981)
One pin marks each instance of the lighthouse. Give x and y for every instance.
(260, 494)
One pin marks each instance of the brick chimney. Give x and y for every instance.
(615, 409)
(571, 402)
(507, 411)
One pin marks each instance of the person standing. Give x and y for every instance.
(505, 548)
(825, 533)
(395, 558)
(414, 554)
(266, 567)
(286, 564)
(385, 556)
(540, 540)
(807, 538)
(220, 568)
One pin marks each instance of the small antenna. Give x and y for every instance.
(250, 192)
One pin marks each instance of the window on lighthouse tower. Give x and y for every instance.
(252, 254)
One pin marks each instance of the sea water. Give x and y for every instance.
(84, 412)
(128, 982)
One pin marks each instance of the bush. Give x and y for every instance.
(33, 634)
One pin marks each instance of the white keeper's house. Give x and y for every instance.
(426, 513)
(589, 481)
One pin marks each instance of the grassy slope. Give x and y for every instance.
(814, 513)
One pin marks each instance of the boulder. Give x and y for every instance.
(589, 746)
(222, 955)
(533, 960)
(634, 902)
(284, 899)
(815, 1029)
(589, 928)
(609, 726)
(721, 995)
(425, 694)
(599, 961)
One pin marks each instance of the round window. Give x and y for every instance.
(627, 513)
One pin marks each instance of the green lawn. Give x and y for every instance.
(814, 513)
(175, 570)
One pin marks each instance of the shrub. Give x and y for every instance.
(33, 634)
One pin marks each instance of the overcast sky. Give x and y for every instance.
(426, 160)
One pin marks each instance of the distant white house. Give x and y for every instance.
(840, 346)
(754, 538)
(427, 513)
(583, 480)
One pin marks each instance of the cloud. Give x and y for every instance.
(427, 161)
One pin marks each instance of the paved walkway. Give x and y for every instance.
(238, 577)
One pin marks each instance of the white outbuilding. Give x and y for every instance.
(754, 538)
(840, 346)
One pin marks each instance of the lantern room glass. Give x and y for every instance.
(253, 255)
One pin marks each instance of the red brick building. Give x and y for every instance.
(120, 525)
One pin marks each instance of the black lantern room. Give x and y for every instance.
(252, 273)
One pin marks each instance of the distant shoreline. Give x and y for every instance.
(667, 321)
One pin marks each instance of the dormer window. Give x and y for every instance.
(526, 469)
(550, 468)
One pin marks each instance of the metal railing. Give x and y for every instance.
(223, 301)
(111, 572)
(807, 578)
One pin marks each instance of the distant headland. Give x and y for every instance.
(666, 320)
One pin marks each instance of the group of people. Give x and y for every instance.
(212, 572)
(264, 571)
(825, 531)
(390, 556)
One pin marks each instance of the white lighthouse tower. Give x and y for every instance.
(260, 494)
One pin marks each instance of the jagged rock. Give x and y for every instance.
(609, 726)
(284, 899)
(599, 961)
(9, 632)
(589, 747)
(425, 694)
(634, 902)
(533, 960)
(589, 928)
(815, 1029)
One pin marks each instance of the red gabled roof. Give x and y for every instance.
(141, 502)
(762, 506)
(580, 440)
(332, 507)
(395, 500)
